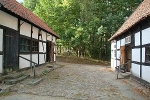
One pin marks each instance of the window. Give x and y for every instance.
(24, 45)
(147, 54)
(35, 46)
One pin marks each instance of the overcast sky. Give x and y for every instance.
(19, 0)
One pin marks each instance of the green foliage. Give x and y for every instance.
(84, 25)
(30, 4)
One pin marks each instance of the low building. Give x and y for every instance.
(24, 38)
(131, 43)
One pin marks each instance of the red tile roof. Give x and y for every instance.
(142, 12)
(18, 9)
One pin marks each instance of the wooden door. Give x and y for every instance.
(10, 50)
(122, 55)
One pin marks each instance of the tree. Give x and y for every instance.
(85, 25)
(30, 4)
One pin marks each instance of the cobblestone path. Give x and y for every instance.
(80, 82)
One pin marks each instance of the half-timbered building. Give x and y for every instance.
(24, 38)
(131, 44)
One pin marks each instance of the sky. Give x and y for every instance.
(19, 0)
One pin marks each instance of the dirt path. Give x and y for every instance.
(80, 82)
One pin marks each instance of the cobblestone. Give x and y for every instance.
(79, 82)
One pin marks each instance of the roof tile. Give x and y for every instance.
(142, 12)
(23, 12)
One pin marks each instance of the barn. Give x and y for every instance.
(130, 45)
(24, 38)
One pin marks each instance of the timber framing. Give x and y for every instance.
(138, 28)
(23, 34)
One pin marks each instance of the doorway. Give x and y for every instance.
(125, 57)
(10, 50)
(128, 57)
(48, 51)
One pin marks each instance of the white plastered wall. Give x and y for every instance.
(25, 29)
(113, 57)
(41, 58)
(145, 36)
(43, 36)
(1, 39)
(35, 36)
(35, 58)
(143, 54)
(1, 49)
(1, 63)
(54, 52)
(145, 40)
(135, 70)
(136, 54)
(24, 63)
(42, 47)
(118, 54)
(118, 44)
(35, 33)
(123, 42)
(118, 62)
(54, 39)
(49, 37)
(8, 20)
(145, 73)
(137, 39)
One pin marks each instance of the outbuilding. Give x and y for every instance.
(24, 38)
(131, 44)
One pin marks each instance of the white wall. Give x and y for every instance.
(35, 32)
(118, 54)
(143, 54)
(8, 20)
(123, 42)
(113, 57)
(113, 64)
(49, 37)
(135, 70)
(145, 36)
(1, 39)
(145, 73)
(118, 62)
(44, 35)
(137, 39)
(24, 63)
(41, 59)
(118, 44)
(44, 47)
(35, 58)
(1, 63)
(41, 47)
(25, 29)
(54, 39)
(136, 54)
